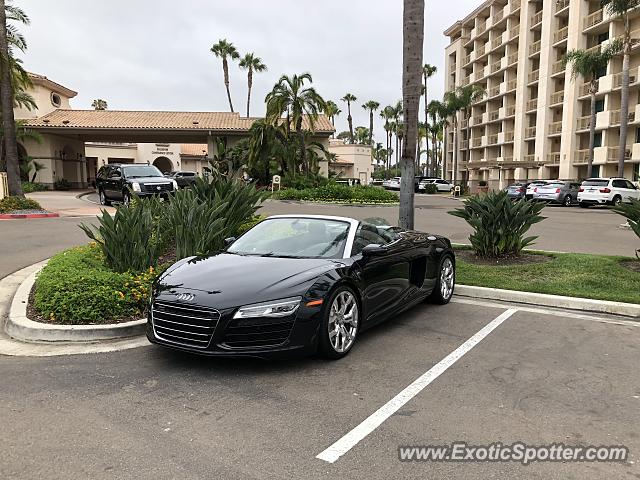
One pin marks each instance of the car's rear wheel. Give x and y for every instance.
(341, 323)
(617, 200)
(567, 201)
(584, 205)
(103, 198)
(446, 282)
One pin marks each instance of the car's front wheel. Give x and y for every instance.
(446, 282)
(341, 323)
(103, 198)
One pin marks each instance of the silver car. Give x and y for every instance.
(560, 191)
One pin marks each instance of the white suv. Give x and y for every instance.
(606, 191)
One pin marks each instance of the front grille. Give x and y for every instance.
(188, 325)
(153, 187)
(257, 332)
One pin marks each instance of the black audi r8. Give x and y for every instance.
(298, 284)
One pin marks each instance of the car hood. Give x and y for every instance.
(149, 179)
(227, 280)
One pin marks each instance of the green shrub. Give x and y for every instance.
(77, 287)
(130, 240)
(631, 211)
(62, 184)
(333, 192)
(11, 204)
(29, 187)
(301, 182)
(499, 224)
(431, 188)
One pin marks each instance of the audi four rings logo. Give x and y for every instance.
(185, 297)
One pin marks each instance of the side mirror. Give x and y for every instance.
(374, 249)
(228, 241)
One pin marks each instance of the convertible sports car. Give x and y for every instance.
(298, 284)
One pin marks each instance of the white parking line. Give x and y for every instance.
(351, 439)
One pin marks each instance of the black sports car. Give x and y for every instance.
(298, 284)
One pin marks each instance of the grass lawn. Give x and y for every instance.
(572, 274)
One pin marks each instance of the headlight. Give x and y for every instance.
(275, 308)
(175, 184)
(135, 186)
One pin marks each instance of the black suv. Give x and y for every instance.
(115, 182)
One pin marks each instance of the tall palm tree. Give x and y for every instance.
(251, 64)
(362, 136)
(387, 115)
(588, 65)
(436, 110)
(225, 50)
(99, 104)
(10, 37)
(291, 96)
(428, 71)
(622, 10)
(349, 98)
(412, 46)
(372, 106)
(397, 127)
(331, 110)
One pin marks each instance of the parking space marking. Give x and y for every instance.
(351, 439)
(548, 311)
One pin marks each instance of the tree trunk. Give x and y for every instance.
(443, 153)
(592, 129)
(389, 142)
(412, 46)
(350, 120)
(434, 156)
(250, 82)
(370, 126)
(467, 115)
(426, 122)
(624, 108)
(454, 173)
(397, 149)
(8, 120)
(225, 68)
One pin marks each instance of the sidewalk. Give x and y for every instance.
(67, 204)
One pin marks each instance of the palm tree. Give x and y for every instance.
(372, 106)
(428, 71)
(331, 110)
(290, 96)
(622, 10)
(437, 112)
(397, 121)
(99, 104)
(412, 46)
(251, 64)
(349, 98)
(10, 37)
(225, 50)
(588, 65)
(362, 136)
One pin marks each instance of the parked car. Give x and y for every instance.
(418, 179)
(563, 192)
(394, 183)
(298, 284)
(606, 191)
(531, 186)
(517, 190)
(115, 182)
(182, 178)
(442, 185)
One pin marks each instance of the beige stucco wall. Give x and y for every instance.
(42, 96)
(358, 155)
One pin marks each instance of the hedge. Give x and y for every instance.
(335, 193)
(12, 204)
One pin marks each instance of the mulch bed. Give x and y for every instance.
(524, 259)
(633, 265)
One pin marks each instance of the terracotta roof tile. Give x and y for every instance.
(193, 149)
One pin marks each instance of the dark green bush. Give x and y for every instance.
(62, 184)
(12, 204)
(77, 287)
(301, 182)
(431, 188)
(499, 223)
(631, 211)
(130, 240)
(333, 192)
(29, 187)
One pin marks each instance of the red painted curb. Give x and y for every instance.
(11, 216)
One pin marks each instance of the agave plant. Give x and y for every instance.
(631, 211)
(499, 223)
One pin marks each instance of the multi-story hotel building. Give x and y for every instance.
(533, 122)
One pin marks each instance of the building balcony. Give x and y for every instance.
(493, 116)
(506, 137)
(585, 89)
(530, 132)
(493, 92)
(496, 66)
(496, 42)
(464, 144)
(512, 85)
(592, 20)
(536, 19)
(555, 128)
(609, 154)
(617, 78)
(476, 120)
(514, 6)
(480, 51)
(465, 81)
(583, 123)
(532, 104)
(497, 18)
(476, 142)
(514, 32)
(533, 76)
(508, 111)
(556, 98)
(534, 48)
(492, 139)
(558, 67)
(615, 115)
(561, 5)
(512, 59)
(560, 35)
(452, 68)
(466, 60)
(553, 158)
(530, 158)
(580, 156)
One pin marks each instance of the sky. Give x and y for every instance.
(155, 54)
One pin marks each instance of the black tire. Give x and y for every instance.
(126, 199)
(584, 205)
(567, 202)
(103, 198)
(325, 344)
(439, 295)
(617, 200)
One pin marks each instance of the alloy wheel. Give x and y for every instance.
(567, 201)
(343, 321)
(103, 198)
(446, 278)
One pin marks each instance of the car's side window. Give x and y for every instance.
(619, 184)
(630, 185)
(366, 234)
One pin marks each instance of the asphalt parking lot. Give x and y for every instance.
(539, 377)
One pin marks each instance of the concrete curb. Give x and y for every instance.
(11, 216)
(20, 327)
(558, 301)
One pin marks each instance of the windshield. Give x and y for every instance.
(294, 238)
(135, 171)
(595, 183)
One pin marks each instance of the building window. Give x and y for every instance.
(636, 172)
(603, 37)
(637, 135)
(56, 101)
(597, 140)
(599, 105)
(595, 171)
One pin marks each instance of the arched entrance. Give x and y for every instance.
(163, 164)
